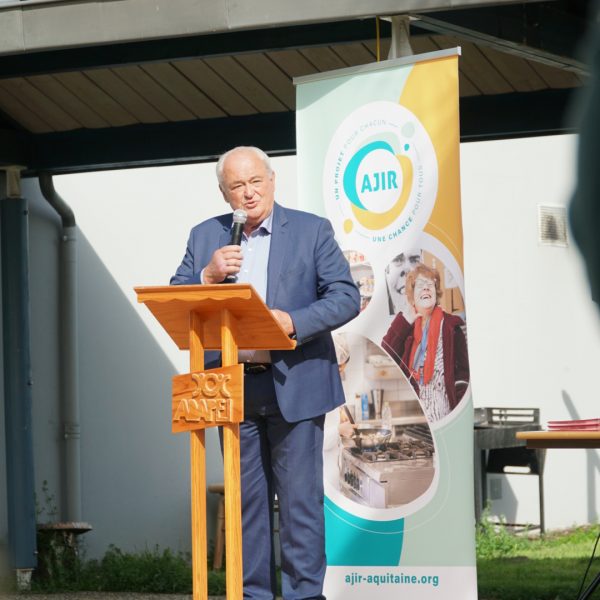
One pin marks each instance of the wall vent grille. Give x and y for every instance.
(552, 225)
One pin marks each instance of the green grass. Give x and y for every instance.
(513, 567)
(526, 579)
(509, 567)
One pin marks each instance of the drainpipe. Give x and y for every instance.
(20, 484)
(69, 358)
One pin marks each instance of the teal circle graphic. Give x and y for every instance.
(355, 541)
(353, 166)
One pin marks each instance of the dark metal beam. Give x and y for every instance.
(483, 39)
(555, 27)
(515, 115)
(89, 57)
(165, 143)
(549, 32)
(482, 118)
(14, 147)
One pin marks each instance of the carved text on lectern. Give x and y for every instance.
(207, 398)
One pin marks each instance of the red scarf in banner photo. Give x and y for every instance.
(433, 336)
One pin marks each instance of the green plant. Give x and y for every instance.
(492, 539)
(150, 571)
(59, 561)
(58, 552)
(509, 567)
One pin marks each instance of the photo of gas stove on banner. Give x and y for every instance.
(379, 451)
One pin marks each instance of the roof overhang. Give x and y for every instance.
(35, 25)
(177, 81)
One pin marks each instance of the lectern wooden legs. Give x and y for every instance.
(233, 511)
(232, 475)
(207, 316)
(231, 460)
(198, 477)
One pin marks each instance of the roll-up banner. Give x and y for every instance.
(378, 154)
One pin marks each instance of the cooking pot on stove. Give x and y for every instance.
(369, 437)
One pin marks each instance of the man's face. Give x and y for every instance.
(248, 185)
(424, 295)
(399, 268)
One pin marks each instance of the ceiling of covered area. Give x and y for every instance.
(189, 98)
(237, 85)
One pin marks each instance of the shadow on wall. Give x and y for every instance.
(506, 508)
(592, 463)
(44, 242)
(135, 473)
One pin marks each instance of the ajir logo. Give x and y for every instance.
(380, 174)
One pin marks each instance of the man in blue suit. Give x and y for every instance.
(295, 264)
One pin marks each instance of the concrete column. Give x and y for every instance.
(400, 45)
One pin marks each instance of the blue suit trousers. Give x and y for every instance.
(286, 459)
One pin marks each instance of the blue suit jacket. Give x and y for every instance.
(309, 278)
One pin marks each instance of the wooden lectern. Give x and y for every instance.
(228, 318)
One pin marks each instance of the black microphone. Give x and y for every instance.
(239, 220)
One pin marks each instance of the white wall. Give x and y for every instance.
(534, 338)
(133, 231)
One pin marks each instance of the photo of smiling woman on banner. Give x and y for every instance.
(429, 344)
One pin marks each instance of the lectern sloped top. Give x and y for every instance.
(256, 327)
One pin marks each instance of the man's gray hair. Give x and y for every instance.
(262, 155)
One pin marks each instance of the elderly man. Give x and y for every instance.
(294, 263)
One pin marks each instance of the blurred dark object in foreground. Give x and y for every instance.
(584, 212)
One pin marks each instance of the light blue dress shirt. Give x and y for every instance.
(255, 250)
(255, 263)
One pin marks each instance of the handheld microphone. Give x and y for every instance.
(239, 220)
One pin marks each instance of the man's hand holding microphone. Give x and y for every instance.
(226, 262)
